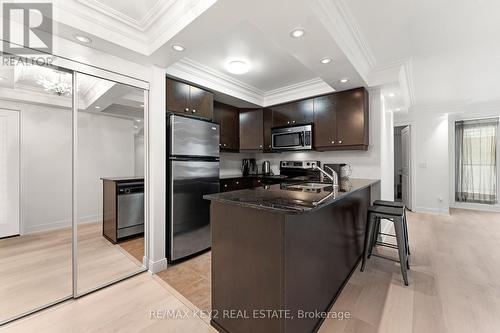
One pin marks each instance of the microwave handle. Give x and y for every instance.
(301, 138)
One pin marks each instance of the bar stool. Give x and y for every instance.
(394, 204)
(396, 215)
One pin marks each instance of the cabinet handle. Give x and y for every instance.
(186, 109)
(340, 141)
(333, 142)
(260, 146)
(293, 121)
(225, 185)
(225, 145)
(237, 183)
(288, 122)
(194, 111)
(269, 146)
(220, 144)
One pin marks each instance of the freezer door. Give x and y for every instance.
(193, 137)
(189, 225)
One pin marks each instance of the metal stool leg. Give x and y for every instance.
(406, 231)
(376, 230)
(368, 239)
(402, 247)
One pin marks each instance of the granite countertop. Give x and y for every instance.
(230, 176)
(289, 199)
(124, 179)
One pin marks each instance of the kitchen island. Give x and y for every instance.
(281, 254)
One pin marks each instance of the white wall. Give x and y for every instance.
(430, 151)
(105, 148)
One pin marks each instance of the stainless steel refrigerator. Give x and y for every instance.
(193, 171)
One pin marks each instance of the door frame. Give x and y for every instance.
(21, 177)
(413, 160)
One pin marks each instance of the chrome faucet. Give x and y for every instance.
(334, 177)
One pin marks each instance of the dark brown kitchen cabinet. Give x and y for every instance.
(189, 100)
(341, 121)
(228, 118)
(300, 112)
(268, 124)
(251, 129)
(235, 184)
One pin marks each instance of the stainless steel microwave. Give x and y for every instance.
(292, 138)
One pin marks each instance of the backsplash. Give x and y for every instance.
(366, 164)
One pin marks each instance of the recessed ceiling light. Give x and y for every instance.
(326, 60)
(345, 80)
(135, 126)
(238, 67)
(297, 33)
(83, 39)
(138, 120)
(392, 94)
(178, 47)
(397, 109)
(97, 107)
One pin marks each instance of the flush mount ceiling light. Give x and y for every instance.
(83, 39)
(392, 95)
(178, 47)
(326, 60)
(345, 80)
(397, 109)
(238, 67)
(297, 33)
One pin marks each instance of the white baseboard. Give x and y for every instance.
(429, 210)
(476, 206)
(158, 266)
(29, 229)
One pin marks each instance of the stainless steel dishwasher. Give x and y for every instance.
(130, 210)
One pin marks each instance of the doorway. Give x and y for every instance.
(402, 165)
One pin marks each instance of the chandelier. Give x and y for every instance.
(59, 84)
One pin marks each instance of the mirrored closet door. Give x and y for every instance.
(72, 198)
(110, 181)
(35, 188)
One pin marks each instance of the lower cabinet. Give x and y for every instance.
(241, 183)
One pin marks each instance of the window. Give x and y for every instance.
(476, 145)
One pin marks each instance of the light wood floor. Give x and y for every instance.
(35, 269)
(454, 280)
(454, 287)
(192, 278)
(123, 307)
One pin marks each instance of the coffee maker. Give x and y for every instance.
(248, 166)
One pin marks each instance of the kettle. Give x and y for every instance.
(266, 168)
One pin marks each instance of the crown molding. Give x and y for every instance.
(296, 91)
(195, 72)
(192, 71)
(343, 28)
(339, 22)
(163, 21)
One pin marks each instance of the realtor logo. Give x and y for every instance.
(27, 28)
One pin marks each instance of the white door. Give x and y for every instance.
(405, 166)
(9, 173)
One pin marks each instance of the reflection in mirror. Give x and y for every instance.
(110, 181)
(35, 188)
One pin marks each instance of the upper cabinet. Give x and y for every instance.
(229, 120)
(341, 121)
(189, 100)
(300, 112)
(251, 129)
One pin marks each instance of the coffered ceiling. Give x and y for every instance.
(215, 31)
